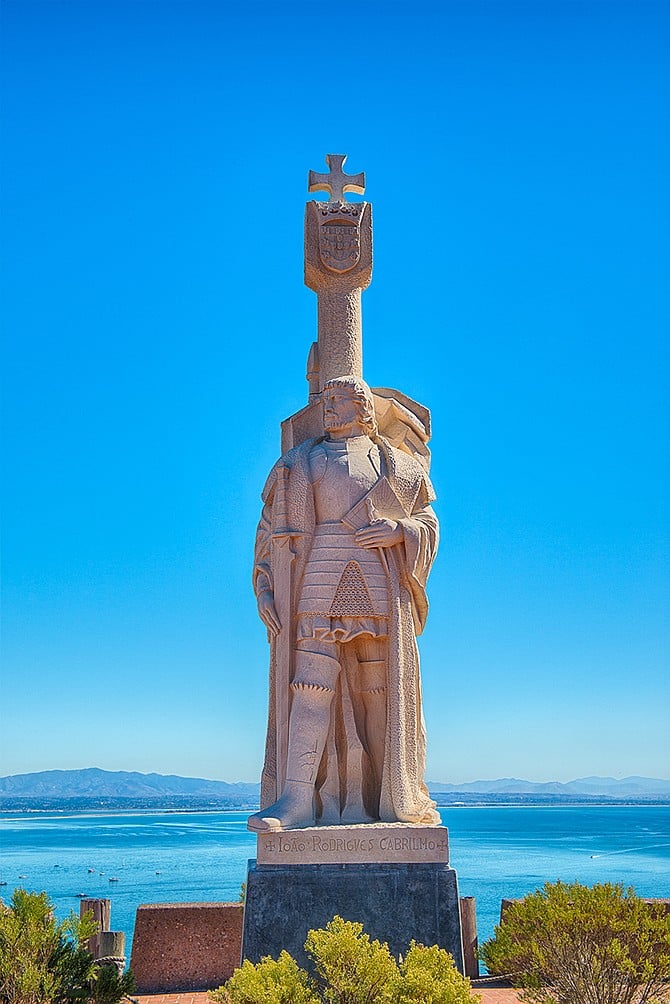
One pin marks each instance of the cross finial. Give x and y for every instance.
(337, 182)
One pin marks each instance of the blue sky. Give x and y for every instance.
(157, 328)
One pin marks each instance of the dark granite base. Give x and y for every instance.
(395, 903)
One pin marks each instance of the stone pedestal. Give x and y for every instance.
(407, 891)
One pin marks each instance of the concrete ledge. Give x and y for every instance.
(185, 946)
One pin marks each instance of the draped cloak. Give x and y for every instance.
(403, 795)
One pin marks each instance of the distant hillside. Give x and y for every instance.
(93, 788)
(607, 787)
(95, 783)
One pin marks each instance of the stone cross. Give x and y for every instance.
(337, 182)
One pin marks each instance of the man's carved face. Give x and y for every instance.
(341, 411)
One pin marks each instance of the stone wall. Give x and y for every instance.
(186, 946)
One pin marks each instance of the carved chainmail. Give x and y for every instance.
(408, 480)
(352, 598)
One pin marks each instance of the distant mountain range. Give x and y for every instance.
(92, 782)
(92, 786)
(608, 787)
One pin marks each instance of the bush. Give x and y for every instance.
(107, 987)
(349, 969)
(430, 976)
(570, 944)
(43, 962)
(40, 960)
(269, 982)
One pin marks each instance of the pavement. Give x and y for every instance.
(491, 992)
(188, 997)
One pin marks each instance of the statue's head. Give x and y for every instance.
(339, 395)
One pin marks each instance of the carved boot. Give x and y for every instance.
(313, 689)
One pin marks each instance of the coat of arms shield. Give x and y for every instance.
(339, 245)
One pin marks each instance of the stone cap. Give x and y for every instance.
(186, 905)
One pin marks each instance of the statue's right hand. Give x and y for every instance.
(268, 612)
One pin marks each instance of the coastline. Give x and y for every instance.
(122, 806)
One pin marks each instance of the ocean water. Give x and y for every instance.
(163, 857)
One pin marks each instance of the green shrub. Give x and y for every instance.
(352, 969)
(107, 987)
(40, 959)
(43, 961)
(429, 976)
(268, 982)
(571, 944)
(349, 969)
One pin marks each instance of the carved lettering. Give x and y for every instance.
(354, 844)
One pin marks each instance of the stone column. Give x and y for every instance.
(102, 911)
(338, 267)
(113, 950)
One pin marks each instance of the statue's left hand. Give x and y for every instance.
(268, 611)
(380, 533)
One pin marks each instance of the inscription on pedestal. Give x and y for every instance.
(381, 843)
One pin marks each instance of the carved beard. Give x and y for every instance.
(351, 429)
(335, 424)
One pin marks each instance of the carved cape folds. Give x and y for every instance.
(403, 795)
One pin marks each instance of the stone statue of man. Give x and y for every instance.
(364, 539)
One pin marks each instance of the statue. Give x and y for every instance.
(364, 539)
(344, 547)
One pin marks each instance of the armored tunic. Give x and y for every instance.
(344, 590)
